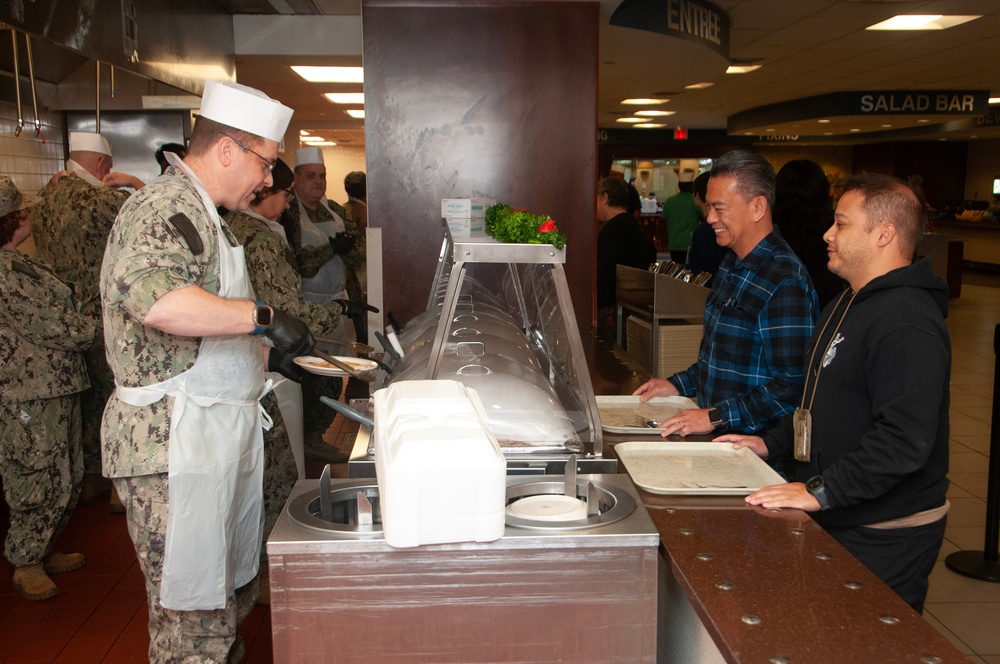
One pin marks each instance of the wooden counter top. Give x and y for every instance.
(772, 586)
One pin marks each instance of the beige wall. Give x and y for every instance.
(339, 162)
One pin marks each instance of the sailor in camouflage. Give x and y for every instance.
(42, 373)
(72, 221)
(182, 433)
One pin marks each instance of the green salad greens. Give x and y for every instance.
(508, 225)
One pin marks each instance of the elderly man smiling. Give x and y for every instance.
(758, 318)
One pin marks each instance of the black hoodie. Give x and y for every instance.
(880, 413)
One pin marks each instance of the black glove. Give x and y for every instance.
(284, 364)
(342, 243)
(289, 334)
(354, 309)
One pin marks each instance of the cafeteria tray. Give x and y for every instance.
(626, 414)
(711, 469)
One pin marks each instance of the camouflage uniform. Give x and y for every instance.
(71, 224)
(357, 212)
(41, 375)
(309, 259)
(270, 264)
(146, 258)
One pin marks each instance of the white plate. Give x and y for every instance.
(695, 468)
(323, 368)
(623, 414)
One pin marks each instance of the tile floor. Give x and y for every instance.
(100, 615)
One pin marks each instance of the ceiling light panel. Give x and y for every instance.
(330, 74)
(346, 97)
(923, 22)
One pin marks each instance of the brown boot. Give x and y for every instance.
(59, 563)
(32, 582)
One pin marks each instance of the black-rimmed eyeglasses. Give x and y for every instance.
(268, 163)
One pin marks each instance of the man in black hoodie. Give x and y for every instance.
(873, 472)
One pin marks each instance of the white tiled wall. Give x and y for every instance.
(28, 160)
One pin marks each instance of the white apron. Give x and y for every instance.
(330, 283)
(288, 392)
(216, 458)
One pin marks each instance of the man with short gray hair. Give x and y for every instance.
(758, 317)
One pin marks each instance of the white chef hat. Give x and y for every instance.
(88, 141)
(308, 156)
(245, 108)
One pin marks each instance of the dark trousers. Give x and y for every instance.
(902, 557)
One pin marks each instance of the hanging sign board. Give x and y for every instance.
(694, 20)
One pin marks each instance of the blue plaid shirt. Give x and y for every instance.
(758, 320)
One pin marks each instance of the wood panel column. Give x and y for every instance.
(487, 98)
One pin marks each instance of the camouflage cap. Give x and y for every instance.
(11, 199)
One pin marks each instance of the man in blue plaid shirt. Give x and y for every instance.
(758, 318)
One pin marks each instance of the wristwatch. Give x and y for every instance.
(262, 317)
(715, 417)
(817, 487)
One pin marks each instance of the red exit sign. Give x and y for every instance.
(680, 134)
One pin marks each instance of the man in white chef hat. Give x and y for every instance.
(186, 340)
(71, 225)
(329, 249)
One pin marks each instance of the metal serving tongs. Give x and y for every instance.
(366, 376)
(363, 350)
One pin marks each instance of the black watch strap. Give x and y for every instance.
(715, 417)
(817, 487)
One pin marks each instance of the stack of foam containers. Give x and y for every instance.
(441, 474)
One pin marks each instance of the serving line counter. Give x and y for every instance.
(744, 584)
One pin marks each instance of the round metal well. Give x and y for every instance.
(307, 511)
(614, 504)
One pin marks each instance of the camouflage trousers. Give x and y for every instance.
(92, 402)
(177, 636)
(280, 473)
(42, 467)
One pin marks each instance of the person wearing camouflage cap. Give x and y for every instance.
(41, 377)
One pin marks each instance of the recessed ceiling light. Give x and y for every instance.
(886, 126)
(942, 139)
(649, 125)
(769, 129)
(923, 22)
(698, 86)
(855, 129)
(748, 133)
(823, 121)
(655, 113)
(923, 120)
(630, 120)
(644, 101)
(356, 113)
(742, 69)
(311, 139)
(330, 74)
(345, 97)
(994, 100)
(316, 144)
(828, 133)
(973, 135)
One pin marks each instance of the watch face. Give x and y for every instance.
(263, 317)
(815, 483)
